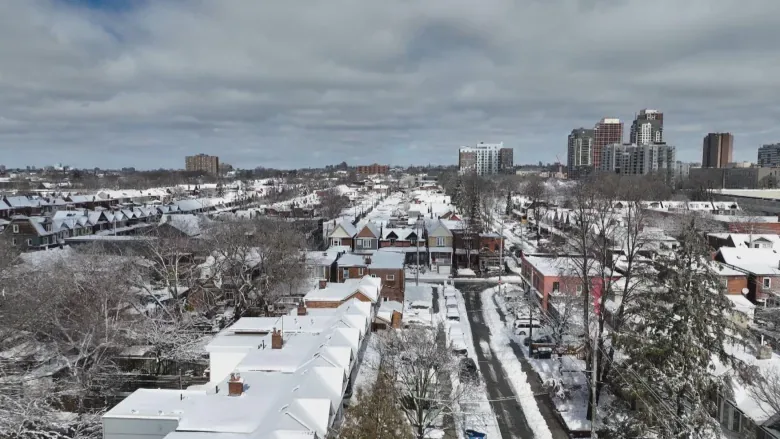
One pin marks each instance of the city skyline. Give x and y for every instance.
(143, 84)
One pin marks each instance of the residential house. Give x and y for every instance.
(32, 232)
(440, 244)
(387, 266)
(271, 377)
(746, 240)
(343, 234)
(404, 240)
(367, 238)
(322, 265)
(550, 275)
(740, 414)
(762, 267)
(333, 295)
(21, 205)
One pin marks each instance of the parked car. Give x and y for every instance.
(453, 315)
(542, 339)
(468, 369)
(522, 326)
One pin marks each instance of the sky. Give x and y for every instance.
(306, 83)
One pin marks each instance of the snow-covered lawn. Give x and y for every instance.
(571, 400)
(475, 410)
(500, 344)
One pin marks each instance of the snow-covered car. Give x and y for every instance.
(453, 315)
(522, 326)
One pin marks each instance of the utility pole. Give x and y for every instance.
(594, 386)
(417, 271)
(501, 252)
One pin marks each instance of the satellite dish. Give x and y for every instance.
(745, 291)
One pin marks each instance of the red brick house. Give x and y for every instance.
(761, 267)
(333, 295)
(548, 274)
(387, 266)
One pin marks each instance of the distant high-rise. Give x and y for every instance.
(203, 163)
(608, 131)
(579, 152)
(769, 155)
(647, 128)
(506, 160)
(482, 158)
(639, 159)
(717, 150)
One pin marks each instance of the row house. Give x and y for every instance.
(440, 244)
(367, 238)
(404, 240)
(761, 267)
(744, 240)
(481, 250)
(40, 232)
(343, 235)
(387, 266)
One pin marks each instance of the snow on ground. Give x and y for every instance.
(500, 344)
(571, 400)
(476, 412)
(370, 364)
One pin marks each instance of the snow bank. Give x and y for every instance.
(500, 344)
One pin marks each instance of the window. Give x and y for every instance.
(335, 241)
(13, 241)
(360, 271)
(440, 242)
(392, 241)
(29, 242)
(390, 277)
(373, 275)
(579, 288)
(345, 273)
(556, 286)
(16, 228)
(767, 283)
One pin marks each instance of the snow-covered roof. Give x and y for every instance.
(188, 224)
(745, 239)
(386, 310)
(379, 260)
(762, 261)
(371, 228)
(757, 411)
(558, 266)
(287, 393)
(337, 292)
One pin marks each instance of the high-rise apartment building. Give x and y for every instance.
(482, 158)
(632, 159)
(608, 131)
(579, 157)
(717, 150)
(647, 128)
(769, 155)
(202, 162)
(506, 160)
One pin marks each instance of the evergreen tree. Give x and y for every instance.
(669, 349)
(509, 202)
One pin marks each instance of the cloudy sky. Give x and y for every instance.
(301, 83)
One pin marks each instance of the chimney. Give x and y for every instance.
(368, 260)
(276, 339)
(301, 309)
(323, 283)
(235, 385)
(764, 352)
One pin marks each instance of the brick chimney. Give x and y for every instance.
(323, 284)
(276, 339)
(235, 385)
(368, 260)
(301, 309)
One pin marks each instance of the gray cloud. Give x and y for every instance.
(308, 83)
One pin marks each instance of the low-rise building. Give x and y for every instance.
(272, 377)
(550, 275)
(761, 267)
(343, 235)
(387, 266)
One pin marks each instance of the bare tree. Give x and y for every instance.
(376, 413)
(765, 388)
(254, 263)
(537, 192)
(332, 203)
(419, 362)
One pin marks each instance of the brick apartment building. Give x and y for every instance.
(374, 169)
(202, 162)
